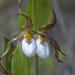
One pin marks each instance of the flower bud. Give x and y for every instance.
(29, 49)
(43, 50)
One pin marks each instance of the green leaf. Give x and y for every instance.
(21, 20)
(8, 65)
(19, 62)
(39, 11)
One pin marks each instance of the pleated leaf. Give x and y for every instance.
(7, 65)
(19, 62)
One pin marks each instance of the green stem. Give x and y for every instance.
(34, 28)
(36, 65)
(34, 13)
(27, 63)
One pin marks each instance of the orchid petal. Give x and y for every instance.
(9, 43)
(56, 56)
(18, 36)
(43, 50)
(54, 44)
(29, 49)
(29, 24)
(11, 55)
(7, 49)
(19, 6)
(50, 25)
(4, 71)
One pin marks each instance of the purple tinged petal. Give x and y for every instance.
(49, 26)
(9, 43)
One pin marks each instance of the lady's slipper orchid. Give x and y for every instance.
(29, 46)
(28, 42)
(29, 49)
(43, 49)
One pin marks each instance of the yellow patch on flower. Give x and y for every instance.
(27, 36)
(42, 39)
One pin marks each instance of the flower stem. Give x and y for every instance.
(35, 28)
(36, 65)
(34, 13)
(27, 68)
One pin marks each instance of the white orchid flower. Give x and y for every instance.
(29, 46)
(43, 49)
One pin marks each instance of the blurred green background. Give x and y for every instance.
(63, 33)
